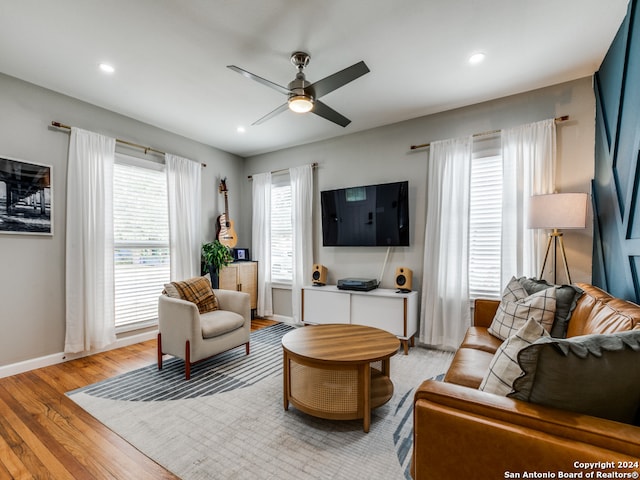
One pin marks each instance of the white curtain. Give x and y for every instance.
(529, 159)
(445, 313)
(184, 196)
(261, 240)
(90, 317)
(301, 209)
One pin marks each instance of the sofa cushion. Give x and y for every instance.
(591, 374)
(195, 290)
(468, 367)
(599, 312)
(504, 367)
(480, 339)
(516, 308)
(219, 322)
(566, 299)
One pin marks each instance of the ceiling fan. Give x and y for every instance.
(302, 95)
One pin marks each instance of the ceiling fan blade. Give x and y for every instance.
(261, 80)
(329, 113)
(338, 79)
(273, 113)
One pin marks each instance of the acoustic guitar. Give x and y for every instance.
(226, 234)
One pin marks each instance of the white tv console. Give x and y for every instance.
(382, 308)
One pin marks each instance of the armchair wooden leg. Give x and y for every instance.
(246, 346)
(159, 351)
(187, 360)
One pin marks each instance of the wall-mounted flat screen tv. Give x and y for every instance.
(370, 215)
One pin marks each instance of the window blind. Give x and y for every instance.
(141, 240)
(485, 219)
(281, 233)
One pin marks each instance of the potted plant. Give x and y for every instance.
(216, 256)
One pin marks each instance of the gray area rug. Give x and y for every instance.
(228, 421)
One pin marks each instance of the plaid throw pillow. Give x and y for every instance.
(197, 290)
(504, 367)
(514, 291)
(516, 308)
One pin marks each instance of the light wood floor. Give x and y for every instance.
(44, 435)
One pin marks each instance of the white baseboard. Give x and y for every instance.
(281, 319)
(54, 359)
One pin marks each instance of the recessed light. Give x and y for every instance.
(476, 58)
(241, 129)
(106, 68)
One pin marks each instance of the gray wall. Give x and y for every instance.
(383, 155)
(32, 299)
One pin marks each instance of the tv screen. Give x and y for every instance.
(370, 215)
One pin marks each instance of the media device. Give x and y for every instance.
(404, 278)
(360, 284)
(319, 275)
(369, 215)
(240, 254)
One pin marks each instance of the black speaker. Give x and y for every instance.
(404, 279)
(319, 275)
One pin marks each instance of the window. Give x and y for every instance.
(281, 231)
(485, 226)
(141, 239)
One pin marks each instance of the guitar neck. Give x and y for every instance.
(226, 206)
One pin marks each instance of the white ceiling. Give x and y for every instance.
(171, 56)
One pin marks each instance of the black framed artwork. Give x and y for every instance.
(26, 200)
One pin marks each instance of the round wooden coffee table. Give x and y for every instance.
(328, 370)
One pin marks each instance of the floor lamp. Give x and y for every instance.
(557, 211)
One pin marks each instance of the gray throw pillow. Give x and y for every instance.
(591, 374)
(566, 299)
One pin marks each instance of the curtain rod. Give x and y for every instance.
(124, 142)
(313, 165)
(563, 118)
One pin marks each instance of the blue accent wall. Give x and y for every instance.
(616, 256)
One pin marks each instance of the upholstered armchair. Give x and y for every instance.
(186, 333)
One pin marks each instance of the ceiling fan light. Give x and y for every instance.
(300, 104)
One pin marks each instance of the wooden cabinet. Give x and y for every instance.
(243, 277)
(382, 308)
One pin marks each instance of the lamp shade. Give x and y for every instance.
(558, 210)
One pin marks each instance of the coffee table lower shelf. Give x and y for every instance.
(337, 392)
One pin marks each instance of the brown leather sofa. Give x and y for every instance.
(461, 432)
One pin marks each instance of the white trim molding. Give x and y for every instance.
(56, 358)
